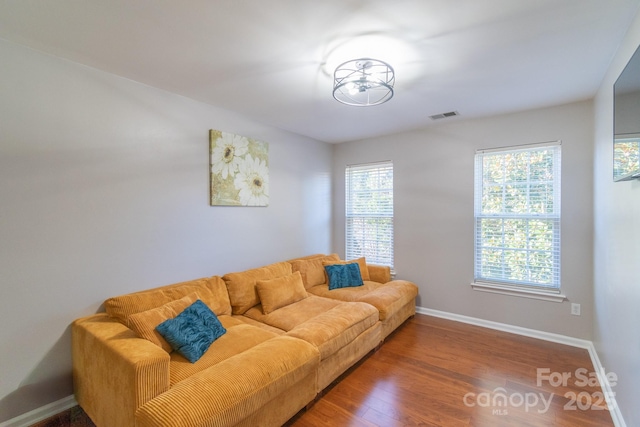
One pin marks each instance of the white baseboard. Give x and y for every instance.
(609, 394)
(614, 410)
(42, 413)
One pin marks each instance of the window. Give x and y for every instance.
(369, 212)
(626, 158)
(517, 217)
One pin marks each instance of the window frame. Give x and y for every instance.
(490, 283)
(379, 251)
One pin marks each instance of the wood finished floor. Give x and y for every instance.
(422, 373)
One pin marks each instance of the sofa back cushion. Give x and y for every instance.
(144, 323)
(242, 286)
(212, 291)
(280, 292)
(312, 268)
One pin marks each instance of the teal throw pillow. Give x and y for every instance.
(191, 332)
(343, 275)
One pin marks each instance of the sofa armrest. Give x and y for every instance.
(114, 371)
(379, 273)
(234, 389)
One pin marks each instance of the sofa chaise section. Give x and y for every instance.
(265, 385)
(121, 379)
(394, 299)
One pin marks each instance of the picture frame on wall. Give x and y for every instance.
(238, 170)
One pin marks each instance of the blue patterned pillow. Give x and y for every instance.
(343, 275)
(191, 332)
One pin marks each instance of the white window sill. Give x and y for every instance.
(516, 291)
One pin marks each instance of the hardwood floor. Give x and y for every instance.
(436, 372)
(74, 417)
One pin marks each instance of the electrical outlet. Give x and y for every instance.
(575, 309)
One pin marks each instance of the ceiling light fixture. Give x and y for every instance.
(363, 82)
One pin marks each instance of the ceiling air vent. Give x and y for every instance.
(444, 115)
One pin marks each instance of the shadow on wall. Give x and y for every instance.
(42, 386)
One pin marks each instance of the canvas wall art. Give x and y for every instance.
(239, 170)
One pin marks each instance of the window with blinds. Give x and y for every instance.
(517, 216)
(369, 212)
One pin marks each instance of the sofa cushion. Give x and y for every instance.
(145, 322)
(391, 297)
(312, 268)
(216, 296)
(280, 292)
(212, 291)
(343, 276)
(248, 321)
(191, 332)
(242, 286)
(336, 328)
(344, 294)
(362, 263)
(290, 316)
(387, 298)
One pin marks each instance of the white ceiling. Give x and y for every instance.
(272, 60)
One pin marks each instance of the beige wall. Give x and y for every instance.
(617, 250)
(104, 190)
(433, 201)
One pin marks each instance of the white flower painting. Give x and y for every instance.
(239, 170)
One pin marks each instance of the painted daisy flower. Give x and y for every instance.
(227, 154)
(252, 180)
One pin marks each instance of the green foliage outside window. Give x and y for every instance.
(626, 157)
(517, 217)
(369, 212)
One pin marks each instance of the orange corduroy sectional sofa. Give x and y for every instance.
(287, 336)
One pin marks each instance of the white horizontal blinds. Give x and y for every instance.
(517, 216)
(369, 212)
